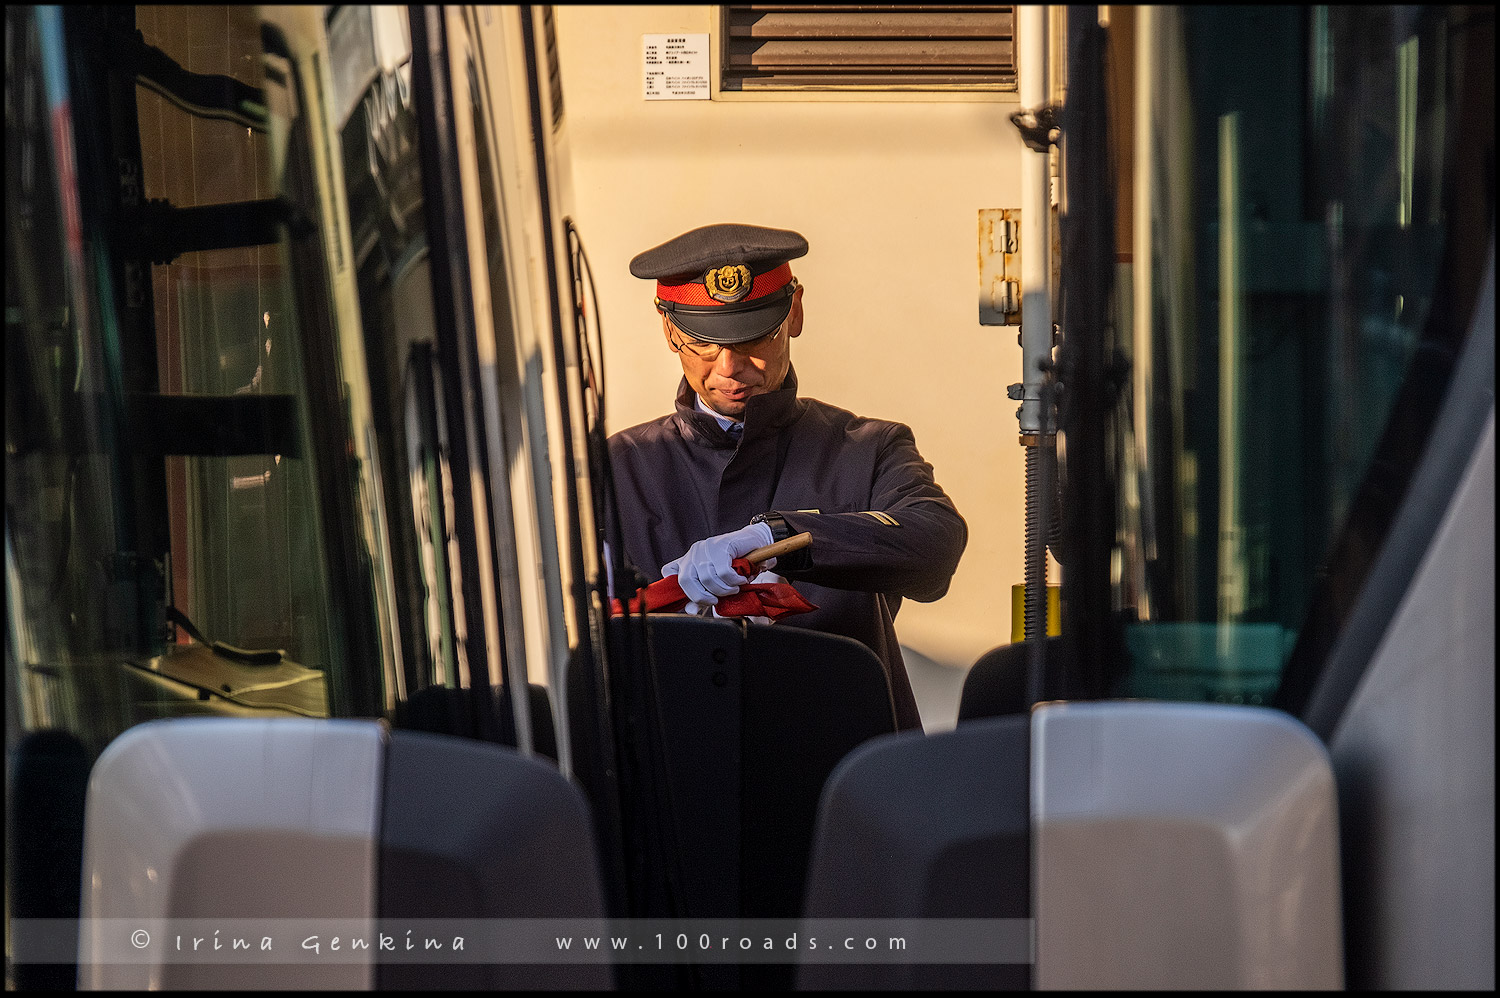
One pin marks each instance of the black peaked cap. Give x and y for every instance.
(693, 252)
(724, 283)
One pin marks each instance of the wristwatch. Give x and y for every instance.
(797, 561)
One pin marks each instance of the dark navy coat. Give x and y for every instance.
(882, 528)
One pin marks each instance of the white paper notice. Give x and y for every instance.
(676, 66)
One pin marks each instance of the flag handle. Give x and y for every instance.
(794, 543)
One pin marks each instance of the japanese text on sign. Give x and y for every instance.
(676, 67)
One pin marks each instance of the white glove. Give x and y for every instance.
(706, 570)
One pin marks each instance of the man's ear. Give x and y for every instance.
(795, 329)
(666, 331)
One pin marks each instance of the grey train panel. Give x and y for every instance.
(1455, 436)
(1415, 757)
(1409, 702)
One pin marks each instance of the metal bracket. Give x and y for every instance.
(1040, 128)
(999, 266)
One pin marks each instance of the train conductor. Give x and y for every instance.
(745, 460)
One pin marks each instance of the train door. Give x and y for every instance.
(289, 417)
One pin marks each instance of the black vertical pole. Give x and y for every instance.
(1089, 656)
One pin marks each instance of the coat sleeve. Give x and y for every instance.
(907, 543)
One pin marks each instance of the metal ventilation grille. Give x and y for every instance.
(868, 47)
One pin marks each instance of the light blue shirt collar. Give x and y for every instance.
(724, 421)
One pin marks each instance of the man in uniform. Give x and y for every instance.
(745, 461)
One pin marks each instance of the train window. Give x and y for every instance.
(167, 551)
(1289, 220)
(226, 327)
(244, 476)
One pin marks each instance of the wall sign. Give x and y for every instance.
(676, 67)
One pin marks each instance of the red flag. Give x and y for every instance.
(755, 599)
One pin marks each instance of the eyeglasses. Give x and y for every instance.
(760, 348)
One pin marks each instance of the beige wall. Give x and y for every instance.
(887, 193)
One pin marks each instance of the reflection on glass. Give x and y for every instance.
(1286, 192)
(376, 138)
(164, 545)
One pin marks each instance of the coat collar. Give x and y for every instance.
(764, 414)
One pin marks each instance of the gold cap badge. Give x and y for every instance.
(728, 284)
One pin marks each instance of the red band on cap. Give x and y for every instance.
(694, 293)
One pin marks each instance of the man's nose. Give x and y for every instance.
(729, 363)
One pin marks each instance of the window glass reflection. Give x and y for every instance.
(1288, 227)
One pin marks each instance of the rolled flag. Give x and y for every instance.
(755, 599)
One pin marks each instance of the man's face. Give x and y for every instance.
(741, 372)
